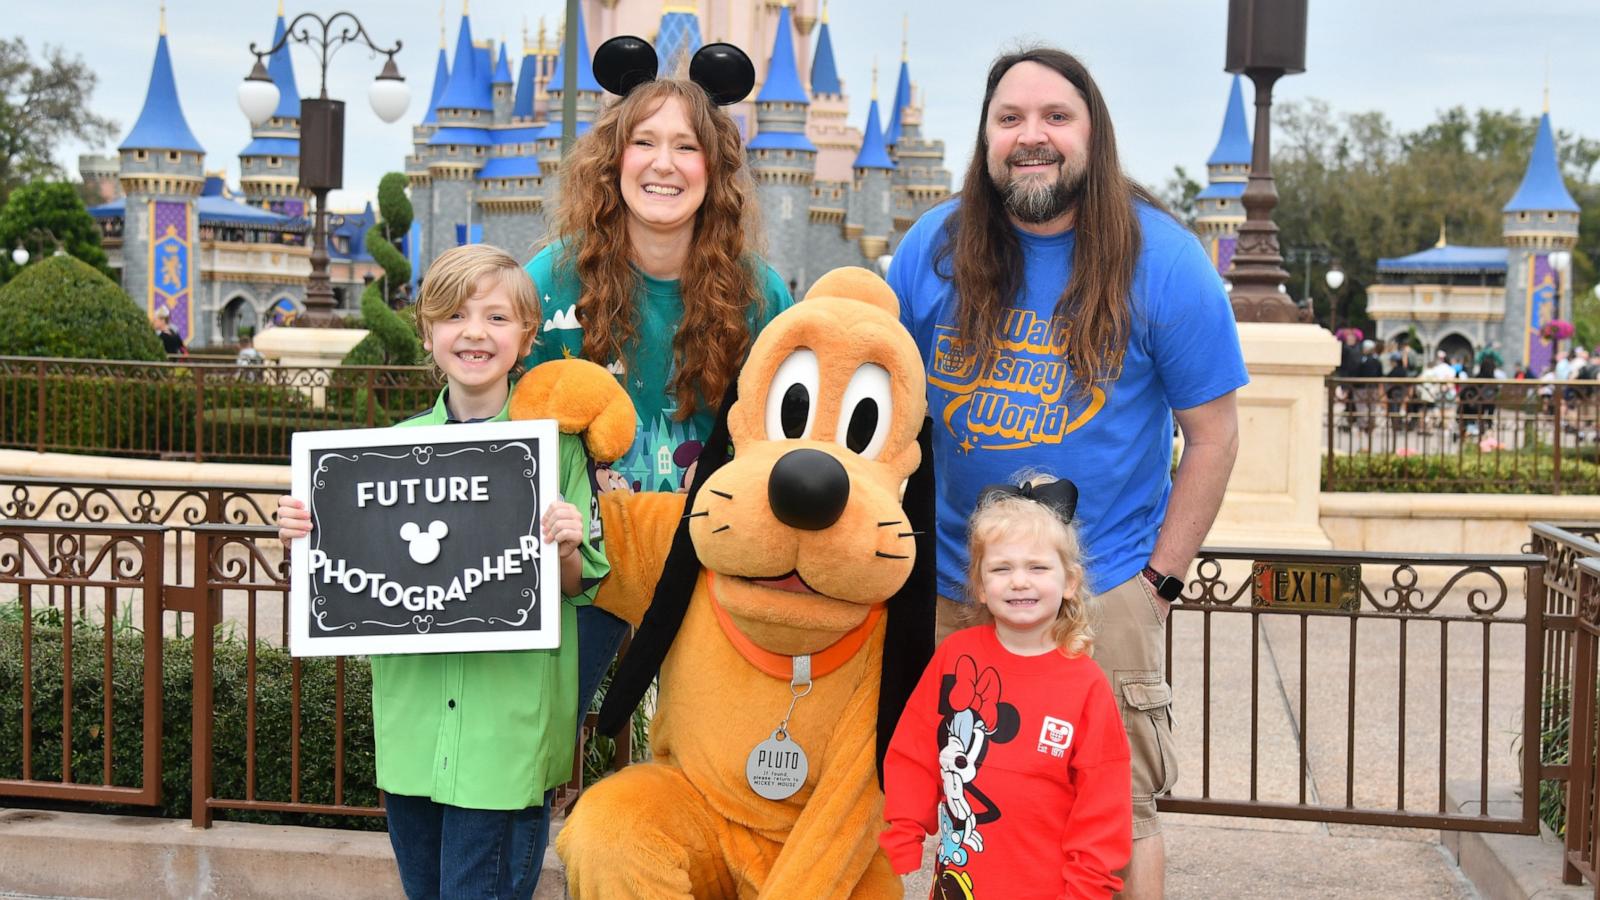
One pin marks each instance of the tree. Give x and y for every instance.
(42, 104)
(42, 215)
(1179, 193)
(61, 307)
(394, 220)
(1354, 185)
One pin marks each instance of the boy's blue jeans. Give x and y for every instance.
(447, 852)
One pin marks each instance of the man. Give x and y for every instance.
(1065, 318)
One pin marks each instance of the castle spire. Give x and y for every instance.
(441, 80)
(873, 154)
(1442, 242)
(783, 76)
(902, 99)
(824, 71)
(462, 91)
(281, 69)
(161, 125)
(163, 18)
(1233, 144)
(1542, 189)
(586, 80)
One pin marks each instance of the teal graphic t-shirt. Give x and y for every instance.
(664, 447)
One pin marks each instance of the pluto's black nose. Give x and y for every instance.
(808, 489)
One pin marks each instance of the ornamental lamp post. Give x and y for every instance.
(322, 128)
(1335, 280)
(1266, 40)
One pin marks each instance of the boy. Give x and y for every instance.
(468, 744)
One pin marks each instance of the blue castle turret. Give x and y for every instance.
(457, 148)
(920, 179)
(782, 159)
(162, 175)
(502, 87)
(868, 219)
(1540, 219)
(269, 165)
(588, 104)
(1218, 209)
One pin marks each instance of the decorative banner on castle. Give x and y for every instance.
(424, 540)
(1222, 253)
(169, 265)
(1542, 305)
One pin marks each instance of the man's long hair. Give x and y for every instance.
(983, 255)
(718, 283)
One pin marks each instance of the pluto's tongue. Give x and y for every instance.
(790, 583)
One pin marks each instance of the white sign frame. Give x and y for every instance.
(307, 446)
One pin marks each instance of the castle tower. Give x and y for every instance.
(528, 83)
(829, 127)
(501, 88)
(1218, 210)
(902, 88)
(162, 174)
(920, 179)
(782, 158)
(1540, 219)
(269, 165)
(457, 149)
(678, 38)
(416, 165)
(588, 102)
(510, 186)
(869, 218)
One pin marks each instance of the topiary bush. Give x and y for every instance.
(62, 307)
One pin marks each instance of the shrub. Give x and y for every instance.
(393, 339)
(273, 721)
(62, 307)
(1471, 473)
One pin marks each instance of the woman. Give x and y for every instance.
(652, 271)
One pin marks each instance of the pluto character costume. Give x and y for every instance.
(786, 601)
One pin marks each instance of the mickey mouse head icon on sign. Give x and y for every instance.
(424, 545)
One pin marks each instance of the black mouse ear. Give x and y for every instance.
(724, 71)
(623, 63)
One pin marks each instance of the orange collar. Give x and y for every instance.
(780, 666)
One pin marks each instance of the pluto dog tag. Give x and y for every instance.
(777, 767)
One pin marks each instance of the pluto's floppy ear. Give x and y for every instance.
(908, 637)
(583, 399)
(664, 616)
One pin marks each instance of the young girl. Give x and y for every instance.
(469, 743)
(1011, 750)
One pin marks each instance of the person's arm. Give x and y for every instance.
(911, 783)
(1210, 444)
(564, 528)
(1098, 839)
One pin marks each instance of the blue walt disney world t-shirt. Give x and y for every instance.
(1019, 409)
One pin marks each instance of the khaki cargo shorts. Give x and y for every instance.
(1130, 644)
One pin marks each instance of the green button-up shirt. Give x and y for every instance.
(489, 730)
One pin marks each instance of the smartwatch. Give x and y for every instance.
(1168, 587)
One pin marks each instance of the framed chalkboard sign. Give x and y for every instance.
(425, 540)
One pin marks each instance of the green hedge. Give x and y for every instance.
(246, 421)
(273, 720)
(1472, 473)
(62, 307)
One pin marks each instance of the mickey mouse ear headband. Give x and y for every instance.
(1060, 496)
(722, 70)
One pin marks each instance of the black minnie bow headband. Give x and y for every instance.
(1061, 496)
(723, 70)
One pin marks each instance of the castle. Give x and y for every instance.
(1454, 298)
(486, 161)
(487, 157)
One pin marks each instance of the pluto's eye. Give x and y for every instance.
(792, 397)
(866, 410)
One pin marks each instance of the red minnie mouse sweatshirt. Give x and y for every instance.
(1018, 766)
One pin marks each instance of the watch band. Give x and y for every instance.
(1167, 587)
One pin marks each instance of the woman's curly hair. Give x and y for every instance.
(719, 279)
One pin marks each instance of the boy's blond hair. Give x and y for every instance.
(1000, 516)
(454, 277)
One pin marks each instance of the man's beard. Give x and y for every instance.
(1036, 200)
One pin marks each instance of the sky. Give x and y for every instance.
(1158, 63)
